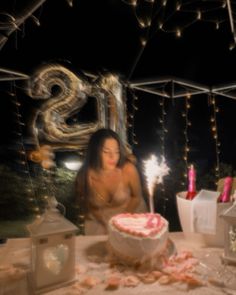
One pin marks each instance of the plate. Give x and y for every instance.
(171, 249)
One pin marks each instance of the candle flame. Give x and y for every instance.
(154, 171)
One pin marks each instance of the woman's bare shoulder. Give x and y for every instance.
(130, 168)
(92, 174)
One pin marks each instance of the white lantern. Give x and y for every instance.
(229, 217)
(53, 259)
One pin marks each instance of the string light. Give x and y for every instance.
(47, 176)
(187, 124)
(164, 130)
(22, 158)
(12, 24)
(214, 129)
(131, 117)
(163, 17)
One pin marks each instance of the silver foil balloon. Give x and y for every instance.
(65, 94)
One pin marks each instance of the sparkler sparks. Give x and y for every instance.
(154, 171)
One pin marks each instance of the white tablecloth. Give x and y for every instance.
(90, 258)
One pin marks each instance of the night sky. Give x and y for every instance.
(97, 35)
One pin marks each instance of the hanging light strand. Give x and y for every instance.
(187, 124)
(214, 131)
(131, 117)
(145, 22)
(164, 130)
(22, 154)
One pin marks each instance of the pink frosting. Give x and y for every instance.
(139, 224)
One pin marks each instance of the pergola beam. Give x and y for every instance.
(175, 91)
(231, 19)
(9, 75)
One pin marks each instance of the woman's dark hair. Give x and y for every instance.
(95, 145)
(93, 161)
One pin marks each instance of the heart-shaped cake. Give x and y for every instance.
(137, 237)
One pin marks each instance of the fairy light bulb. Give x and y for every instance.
(178, 7)
(199, 15)
(142, 24)
(149, 22)
(143, 42)
(70, 3)
(164, 2)
(232, 46)
(178, 33)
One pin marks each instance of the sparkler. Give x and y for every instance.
(154, 171)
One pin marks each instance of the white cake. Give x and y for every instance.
(137, 238)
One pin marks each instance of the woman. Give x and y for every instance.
(108, 183)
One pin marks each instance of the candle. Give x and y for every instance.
(154, 171)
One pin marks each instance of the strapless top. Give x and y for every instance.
(120, 197)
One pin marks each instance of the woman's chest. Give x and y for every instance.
(110, 189)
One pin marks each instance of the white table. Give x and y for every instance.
(91, 254)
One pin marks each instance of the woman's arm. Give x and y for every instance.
(96, 212)
(92, 208)
(132, 175)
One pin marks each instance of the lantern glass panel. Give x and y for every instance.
(232, 238)
(55, 258)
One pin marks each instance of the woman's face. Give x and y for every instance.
(110, 154)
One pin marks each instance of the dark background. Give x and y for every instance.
(95, 36)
